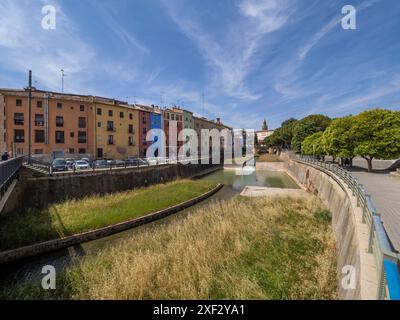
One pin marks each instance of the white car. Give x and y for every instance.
(81, 165)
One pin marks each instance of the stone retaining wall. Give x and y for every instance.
(351, 234)
(40, 192)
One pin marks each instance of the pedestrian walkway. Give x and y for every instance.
(385, 192)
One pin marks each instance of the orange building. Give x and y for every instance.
(61, 124)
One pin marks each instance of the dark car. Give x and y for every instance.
(136, 162)
(59, 165)
(101, 164)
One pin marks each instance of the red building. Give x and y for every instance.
(144, 127)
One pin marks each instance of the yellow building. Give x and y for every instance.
(116, 129)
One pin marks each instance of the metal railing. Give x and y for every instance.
(46, 167)
(387, 261)
(8, 172)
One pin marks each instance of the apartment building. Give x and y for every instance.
(156, 123)
(70, 125)
(204, 123)
(60, 124)
(117, 129)
(171, 118)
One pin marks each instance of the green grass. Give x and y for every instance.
(245, 248)
(75, 216)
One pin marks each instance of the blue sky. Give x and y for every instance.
(250, 59)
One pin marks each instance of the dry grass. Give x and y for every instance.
(242, 249)
(269, 158)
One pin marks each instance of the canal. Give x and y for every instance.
(29, 270)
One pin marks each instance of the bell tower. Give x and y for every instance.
(264, 126)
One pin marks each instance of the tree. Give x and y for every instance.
(338, 140)
(287, 131)
(377, 135)
(312, 145)
(275, 140)
(306, 127)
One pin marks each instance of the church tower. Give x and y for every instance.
(264, 126)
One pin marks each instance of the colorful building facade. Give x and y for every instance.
(116, 130)
(61, 124)
(69, 125)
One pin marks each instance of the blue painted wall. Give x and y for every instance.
(156, 123)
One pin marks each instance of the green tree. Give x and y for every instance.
(312, 145)
(275, 140)
(338, 139)
(287, 132)
(377, 135)
(308, 126)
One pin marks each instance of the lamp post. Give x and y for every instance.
(29, 115)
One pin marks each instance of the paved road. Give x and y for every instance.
(377, 164)
(385, 192)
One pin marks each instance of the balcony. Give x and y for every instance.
(111, 129)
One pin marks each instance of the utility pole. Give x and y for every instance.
(29, 116)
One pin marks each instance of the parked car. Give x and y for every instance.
(131, 161)
(99, 164)
(88, 161)
(118, 163)
(59, 165)
(81, 165)
(70, 162)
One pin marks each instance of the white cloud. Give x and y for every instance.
(233, 56)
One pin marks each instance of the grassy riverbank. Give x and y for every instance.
(269, 158)
(91, 213)
(246, 248)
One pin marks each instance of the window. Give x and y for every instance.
(100, 153)
(18, 103)
(110, 126)
(59, 105)
(172, 117)
(38, 151)
(110, 113)
(82, 122)
(130, 142)
(121, 115)
(82, 150)
(110, 139)
(18, 118)
(19, 136)
(144, 130)
(59, 121)
(98, 124)
(82, 107)
(71, 151)
(131, 116)
(82, 137)
(130, 128)
(72, 134)
(144, 120)
(60, 138)
(39, 104)
(39, 120)
(39, 136)
(99, 111)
